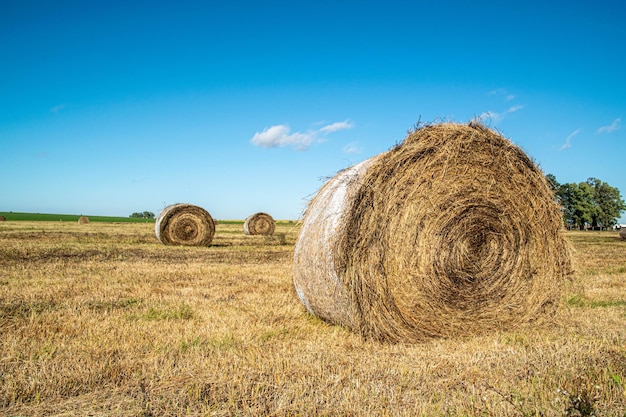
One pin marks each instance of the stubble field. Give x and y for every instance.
(103, 320)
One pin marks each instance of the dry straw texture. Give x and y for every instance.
(622, 232)
(259, 224)
(83, 220)
(452, 232)
(184, 224)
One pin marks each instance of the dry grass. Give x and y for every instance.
(102, 319)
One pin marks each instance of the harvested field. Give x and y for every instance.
(105, 320)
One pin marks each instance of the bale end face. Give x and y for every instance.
(186, 225)
(259, 224)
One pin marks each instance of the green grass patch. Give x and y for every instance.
(182, 312)
(48, 217)
(577, 301)
(14, 216)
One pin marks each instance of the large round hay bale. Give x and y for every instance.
(452, 232)
(3, 219)
(83, 220)
(184, 224)
(622, 232)
(259, 224)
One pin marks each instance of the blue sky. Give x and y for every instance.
(115, 107)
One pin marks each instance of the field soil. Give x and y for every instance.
(101, 319)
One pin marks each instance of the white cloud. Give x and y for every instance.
(498, 117)
(333, 127)
(510, 97)
(488, 115)
(568, 141)
(610, 128)
(280, 136)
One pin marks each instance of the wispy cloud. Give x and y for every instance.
(495, 117)
(497, 91)
(352, 148)
(610, 128)
(58, 108)
(333, 127)
(281, 135)
(502, 93)
(568, 141)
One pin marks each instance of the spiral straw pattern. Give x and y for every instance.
(452, 232)
(184, 224)
(259, 224)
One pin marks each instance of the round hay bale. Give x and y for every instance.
(452, 232)
(259, 224)
(622, 232)
(184, 224)
(83, 220)
(3, 219)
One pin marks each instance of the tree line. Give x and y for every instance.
(590, 204)
(144, 215)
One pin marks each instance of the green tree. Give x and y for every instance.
(577, 204)
(144, 215)
(592, 203)
(608, 203)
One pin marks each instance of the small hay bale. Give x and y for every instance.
(3, 219)
(83, 220)
(453, 232)
(259, 224)
(622, 232)
(184, 224)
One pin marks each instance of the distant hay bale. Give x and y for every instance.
(622, 232)
(3, 219)
(184, 224)
(83, 220)
(259, 224)
(453, 232)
